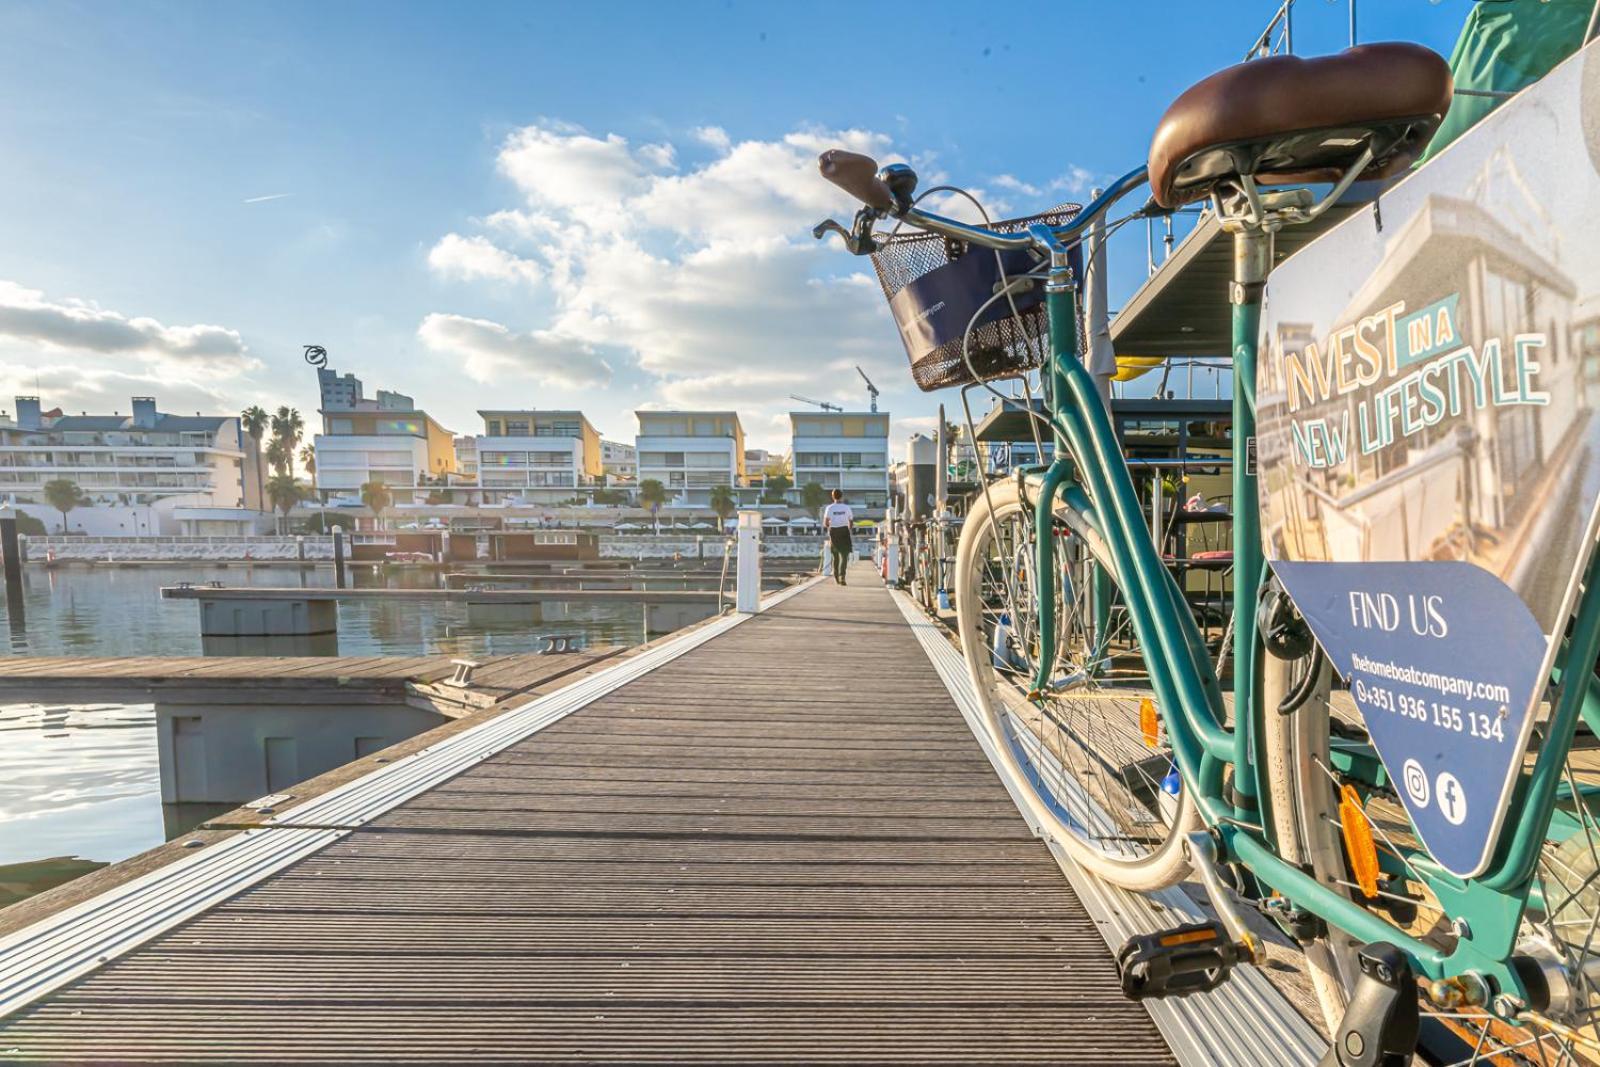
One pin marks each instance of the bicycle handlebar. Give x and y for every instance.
(857, 175)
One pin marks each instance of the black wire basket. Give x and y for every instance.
(935, 286)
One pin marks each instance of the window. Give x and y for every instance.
(517, 428)
(411, 427)
(345, 426)
(492, 428)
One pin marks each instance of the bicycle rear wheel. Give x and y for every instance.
(1561, 926)
(1090, 756)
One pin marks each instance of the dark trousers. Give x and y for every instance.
(841, 550)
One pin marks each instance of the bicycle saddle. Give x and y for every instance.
(1286, 120)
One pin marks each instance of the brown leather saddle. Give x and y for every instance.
(1287, 120)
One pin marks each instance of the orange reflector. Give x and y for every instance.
(1358, 844)
(1149, 722)
(1188, 937)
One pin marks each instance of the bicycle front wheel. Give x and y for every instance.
(1089, 755)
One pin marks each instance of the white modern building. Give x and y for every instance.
(537, 457)
(386, 440)
(846, 450)
(689, 452)
(146, 473)
(619, 461)
(467, 457)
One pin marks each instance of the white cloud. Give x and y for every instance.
(704, 274)
(490, 351)
(472, 258)
(712, 137)
(82, 326)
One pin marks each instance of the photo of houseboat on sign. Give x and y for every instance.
(1429, 392)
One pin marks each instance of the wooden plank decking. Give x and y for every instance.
(783, 846)
(288, 679)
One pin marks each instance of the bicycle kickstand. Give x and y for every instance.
(1381, 1023)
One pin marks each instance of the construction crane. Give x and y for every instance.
(872, 390)
(823, 404)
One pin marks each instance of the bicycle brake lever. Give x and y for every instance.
(858, 239)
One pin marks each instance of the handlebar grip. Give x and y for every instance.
(857, 175)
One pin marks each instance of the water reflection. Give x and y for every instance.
(118, 611)
(80, 783)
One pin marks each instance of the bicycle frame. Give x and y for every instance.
(1089, 466)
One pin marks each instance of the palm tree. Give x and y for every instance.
(284, 493)
(63, 494)
(723, 502)
(279, 455)
(254, 421)
(287, 427)
(308, 460)
(652, 494)
(375, 495)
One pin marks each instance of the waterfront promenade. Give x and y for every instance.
(772, 838)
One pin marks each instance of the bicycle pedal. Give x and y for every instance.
(1175, 963)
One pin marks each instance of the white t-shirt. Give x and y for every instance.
(837, 515)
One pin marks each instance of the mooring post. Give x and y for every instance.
(747, 587)
(338, 557)
(13, 565)
(300, 548)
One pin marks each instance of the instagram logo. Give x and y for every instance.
(1416, 782)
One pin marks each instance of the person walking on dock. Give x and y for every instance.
(836, 520)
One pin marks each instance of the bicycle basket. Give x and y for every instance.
(935, 286)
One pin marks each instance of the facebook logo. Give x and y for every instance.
(1452, 801)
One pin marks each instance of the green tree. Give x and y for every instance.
(376, 496)
(813, 496)
(279, 455)
(29, 526)
(254, 420)
(652, 494)
(308, 460)
(63, 494)
(284, 493)
(287, 427)
(722, 501)
(778, 485)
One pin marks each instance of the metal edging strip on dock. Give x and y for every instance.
(1244, 1021)
(39, 959)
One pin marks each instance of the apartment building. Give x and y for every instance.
(620, 461)
(537, 457)
(467, 457)
(144, 473)
(689, 452)
(844, 450)
(387, 439)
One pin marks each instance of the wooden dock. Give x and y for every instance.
(771, 839)
(457, 596)
(253, 679)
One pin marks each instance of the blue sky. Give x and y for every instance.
(588, 205)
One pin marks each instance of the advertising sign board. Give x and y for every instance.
(1430, 451)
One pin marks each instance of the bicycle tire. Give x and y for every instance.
(1038, 750)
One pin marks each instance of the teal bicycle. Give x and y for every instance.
(1103, 698)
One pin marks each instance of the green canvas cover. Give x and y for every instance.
(1507, 45)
